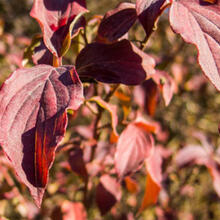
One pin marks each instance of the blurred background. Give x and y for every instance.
(187, 192)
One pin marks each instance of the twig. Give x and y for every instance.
(98, 118)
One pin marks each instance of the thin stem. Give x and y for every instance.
(57, 61)
(84, 35)
(144, 43)
(85, 192)
(90, 108)
(96, 132)
(108, 125)
(111, 93)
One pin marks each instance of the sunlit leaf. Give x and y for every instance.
(55, 19)
(198, 22)
(33, 119)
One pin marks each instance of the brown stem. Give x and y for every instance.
(96, 132)
(84, 35)
(57, 61)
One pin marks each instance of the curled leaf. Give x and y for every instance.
(148, 13)
(117, 22)
(55, 19)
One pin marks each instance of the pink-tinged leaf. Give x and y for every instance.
(198, 22)
(166, 85)
(55, 19)
(196, 83)
(154, 178)
(201, 155)
(112, 109)
(77, 163)
(42, 55)
(73, 211)
(134, 145)
(33, 119)
(120, 62)
(206, 144)
(148, 12)
(146, 125)
(117, 22)
(191, 153)
(215, 174)
(108, 192)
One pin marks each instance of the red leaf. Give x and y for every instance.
(148, 12)
(202, 155)
(108, 192)
(150, 96)
(77, 163)
(191, 153)
(166, 85)
(120, 62)
(33, 119)
(198, 23)
(117, 22)
(55, 18)
(154, 178)
(134, 146)
(73, 211)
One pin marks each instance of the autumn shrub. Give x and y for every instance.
(119, 101)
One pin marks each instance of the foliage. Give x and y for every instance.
(106, 75)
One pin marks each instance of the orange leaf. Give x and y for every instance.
(131, 185)
(154, 178)
(151, 193)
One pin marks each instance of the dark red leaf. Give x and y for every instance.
(55, 18)
(150, 96)
(117, 22)
(108, 192)
(33, 119)
(198, 22)
(148, 12)
(77, 163)
(134, 145)
(120, 62)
